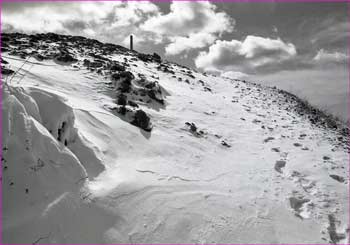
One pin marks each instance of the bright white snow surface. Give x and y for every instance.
(115, 183)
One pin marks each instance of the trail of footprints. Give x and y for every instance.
(308, 198)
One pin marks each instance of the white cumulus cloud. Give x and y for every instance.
(189, 25)
(196, 40)
(245, 56)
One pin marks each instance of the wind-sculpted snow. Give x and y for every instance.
(135, 149)
(36, 171)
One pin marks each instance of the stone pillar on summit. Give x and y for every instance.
(131, 42)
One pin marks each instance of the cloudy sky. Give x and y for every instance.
(231, 39)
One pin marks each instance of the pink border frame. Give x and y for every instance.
(291, 1)
(1, 168)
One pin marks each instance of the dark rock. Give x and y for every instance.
(201, 82)
(193, 126)
(3, 61)
(39, 57)
(124, 74)
(4, 39)
(65, 57)
(4, 45)
(121, 99)
(145, 57)
(154, 95)
(142, 120)
(326, 158)
(190, 75)
(23, 55)
(157, 57)
(53, 37)
(6, 71)
(125, 86)
(96, 64)
(225, 144)
(207, 89)
(125, 78)
(165, 69)
(117, 67)
(133, 104)
(149, 85)
(152, 89)
(86, 62)
(122, 110)
(3, 49)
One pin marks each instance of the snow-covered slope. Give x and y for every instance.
(104, 145)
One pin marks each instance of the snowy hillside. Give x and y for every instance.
(105, 145)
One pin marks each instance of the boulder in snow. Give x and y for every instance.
(142, 120)
(122, 80)
(65, 58)
(117, 67)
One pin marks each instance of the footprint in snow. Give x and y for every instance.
(302, 136)
(334, 235)
(306, 184)
(276, 149)
(256, 121)
(337, 178)
(268, 139)
(279, 165)
(300, 205)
